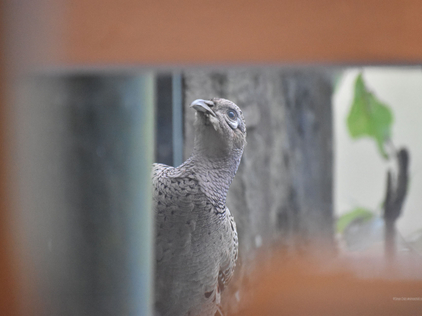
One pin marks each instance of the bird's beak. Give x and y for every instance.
(203, 106)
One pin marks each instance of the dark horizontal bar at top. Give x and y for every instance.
(191, 32)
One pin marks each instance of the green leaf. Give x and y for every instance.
(369, 117)
(358, 213)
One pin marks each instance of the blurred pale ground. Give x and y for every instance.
(360, 171)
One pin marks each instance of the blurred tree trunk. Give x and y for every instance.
(282, 193)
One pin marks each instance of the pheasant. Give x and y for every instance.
(196, 239)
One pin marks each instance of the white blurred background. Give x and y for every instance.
(360, 171)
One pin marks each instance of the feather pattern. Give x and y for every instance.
(196, 237)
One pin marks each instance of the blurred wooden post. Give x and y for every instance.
(9, 295)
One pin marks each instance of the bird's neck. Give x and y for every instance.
(216, 173)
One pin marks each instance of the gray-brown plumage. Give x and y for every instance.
(196, 237)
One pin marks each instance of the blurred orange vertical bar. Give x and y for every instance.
(8, 280)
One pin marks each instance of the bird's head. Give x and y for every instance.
(220, 128)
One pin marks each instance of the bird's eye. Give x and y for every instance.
(231, 114)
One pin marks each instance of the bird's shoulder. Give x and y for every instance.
(162, 171)
(177, 188)
(170, 178)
